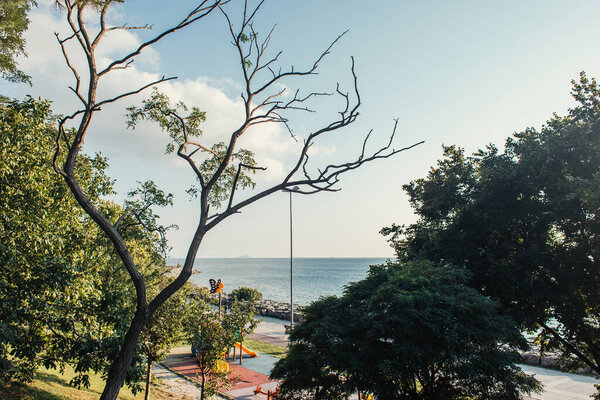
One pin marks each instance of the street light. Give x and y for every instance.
(295, 188)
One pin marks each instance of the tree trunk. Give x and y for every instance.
(120, 366)
(147, 397)
(572, 349)
(202, 387)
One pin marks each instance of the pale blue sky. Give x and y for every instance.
(453, 72)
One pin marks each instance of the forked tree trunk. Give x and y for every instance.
(119, 368)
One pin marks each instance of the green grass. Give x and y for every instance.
(52, 385)
(265, 348)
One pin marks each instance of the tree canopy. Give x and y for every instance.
(13, 24)
(525, 223)
(64, 298)
(408, 331)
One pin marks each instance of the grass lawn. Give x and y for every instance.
(266, 348)
(52, 385)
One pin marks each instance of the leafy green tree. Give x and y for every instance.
(239, 322)
(246, 294)
(13, 23)
(64, 298)
(525, 222)
(407, 331)
(43, 239)
(306, 370)
(210, 342)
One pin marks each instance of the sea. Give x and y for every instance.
(312, 277)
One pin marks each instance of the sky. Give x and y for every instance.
(463, 72)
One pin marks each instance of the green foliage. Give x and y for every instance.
(13, 24)
(139, 213)
(166, 328)
(211, 342)
(64, 296)
(411, 330)
(525, 222)
(240, 321)
(42, 239)
(246, 294)
(182, 130)
(158, 108)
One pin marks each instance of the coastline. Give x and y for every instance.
(265, 307)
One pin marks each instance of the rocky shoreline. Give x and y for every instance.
(276, 309)
(265, 307)
(273, 308)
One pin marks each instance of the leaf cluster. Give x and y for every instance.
(13, 24)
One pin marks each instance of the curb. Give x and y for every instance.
(187, 378)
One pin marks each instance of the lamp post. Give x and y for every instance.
(295, 188)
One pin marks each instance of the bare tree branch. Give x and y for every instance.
(196, 14)
(263, 103)
(136, 91)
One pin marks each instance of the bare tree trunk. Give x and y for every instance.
(120, 366)
(147, 397)
(202, 387)
(572, 349)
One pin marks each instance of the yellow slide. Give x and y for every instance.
(246, 350)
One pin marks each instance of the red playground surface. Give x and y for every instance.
(246, 377)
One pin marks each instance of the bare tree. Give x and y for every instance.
(220, 168)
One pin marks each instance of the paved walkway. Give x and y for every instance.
(561, 385)
(271, 330)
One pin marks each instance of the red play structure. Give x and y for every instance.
(271, 395)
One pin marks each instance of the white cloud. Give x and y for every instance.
(271, 143)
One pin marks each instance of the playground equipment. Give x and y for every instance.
(271, 395)
(217, 287)
(222, 366)
(246, 350)
(365, 396)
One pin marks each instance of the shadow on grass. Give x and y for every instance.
(46, 377)
(18, 391)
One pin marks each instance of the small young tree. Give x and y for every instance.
(220, 168)
(211, 341)
(239, 322)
